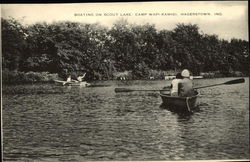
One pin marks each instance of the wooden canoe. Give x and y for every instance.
(64, 83)
(180, 104)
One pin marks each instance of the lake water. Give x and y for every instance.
(46, 122)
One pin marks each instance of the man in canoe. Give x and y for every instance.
(175, 85)
(69, 79)
(80, 78)
(186, 85)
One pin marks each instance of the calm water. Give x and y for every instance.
(54, 123)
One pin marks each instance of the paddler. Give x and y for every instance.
(68, 79)
(186, 85)
(80, 78)
(175, 85)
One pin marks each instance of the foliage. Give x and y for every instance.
(140, 71)
(13, 43)
(74, 48)
(157, 74)
(28, 77)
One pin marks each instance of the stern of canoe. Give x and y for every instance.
(179, 103)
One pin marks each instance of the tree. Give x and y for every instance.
(187, 38)
(13, 43)
(74, 48)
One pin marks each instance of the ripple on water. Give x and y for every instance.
(97, 124)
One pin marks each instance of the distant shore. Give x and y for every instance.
(17, 77)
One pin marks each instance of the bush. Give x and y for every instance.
(123, 74)
(212, 74)
(140, 71)
(236, 74)
(156, 74)
(13, 77)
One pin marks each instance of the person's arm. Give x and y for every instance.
(83, 75)
(168, 87)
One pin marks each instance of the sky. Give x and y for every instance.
(227, 19)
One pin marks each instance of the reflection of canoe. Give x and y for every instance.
(179, 103)
(82, 84)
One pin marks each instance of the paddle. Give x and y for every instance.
(236, 81)
(117, 90)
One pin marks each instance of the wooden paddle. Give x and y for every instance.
(236, 81)
(117, 90)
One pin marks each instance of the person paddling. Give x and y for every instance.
(69, 79)
(80, 78)
(175, 85)
(186, 85)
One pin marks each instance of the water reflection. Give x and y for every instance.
(182, 113)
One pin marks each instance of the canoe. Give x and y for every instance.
(64, 83)
(196, 77)
(180, 104)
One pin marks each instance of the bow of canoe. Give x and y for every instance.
(183, 104)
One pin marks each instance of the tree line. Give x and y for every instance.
(70, 47)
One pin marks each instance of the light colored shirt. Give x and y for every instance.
(175, 86)
(69, 79)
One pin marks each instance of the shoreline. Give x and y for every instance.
(53, 82)
(17, 77)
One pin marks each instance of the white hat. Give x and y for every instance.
(185, 73)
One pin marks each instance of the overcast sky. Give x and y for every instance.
(227, 19)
